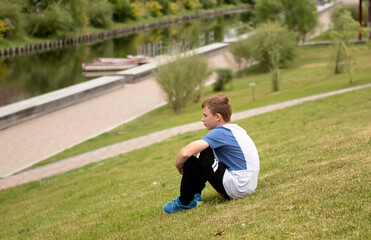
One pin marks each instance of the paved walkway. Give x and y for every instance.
(143, 141)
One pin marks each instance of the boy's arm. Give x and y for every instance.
(188, 151)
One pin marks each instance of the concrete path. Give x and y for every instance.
(144, 141)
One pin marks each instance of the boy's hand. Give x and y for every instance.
(189, 150)
(180, 169)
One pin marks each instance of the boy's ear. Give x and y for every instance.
(218, 117)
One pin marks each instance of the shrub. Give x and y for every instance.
(225, 75)
(53, 21)
(165, 6)
(122, 10)
(154, 8)
(220, 2)
(135, 11)
(100, 14)
(207, 4)
(78, 9)
(173, 8)
(2, 29)
(189, 4)
(12, 17)
(182, 79)
(234, 2)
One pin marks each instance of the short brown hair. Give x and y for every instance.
(219, 104)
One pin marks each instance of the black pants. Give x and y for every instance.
(197, 171)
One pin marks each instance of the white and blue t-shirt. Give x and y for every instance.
(233, 147)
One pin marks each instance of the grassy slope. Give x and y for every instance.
(314, 183)
(309, 75)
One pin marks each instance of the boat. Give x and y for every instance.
(114, 64)
(109, 66)
(140, 58)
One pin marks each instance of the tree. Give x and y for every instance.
(3, 29)
(344, 30)
(182, 79)
(272, 45)
(299, 16)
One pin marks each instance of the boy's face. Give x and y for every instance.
(210, 121)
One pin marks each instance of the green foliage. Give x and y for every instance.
(78, 10)
(189, 4)
(182, 79)
(52, 21)
(267, 37)
(272, 44)
(225, 75)
(343, 31)
(13, 19)
(173, 8)
(122, 11)
(154, 8)
(3, 29)
(207, 4)
(100, 14)
(354, 10)
(165, 6)
(135, 11)
(234, 2)
(299, 16)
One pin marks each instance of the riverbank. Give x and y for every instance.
(47, 45)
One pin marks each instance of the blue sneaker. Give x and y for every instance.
(176, 205)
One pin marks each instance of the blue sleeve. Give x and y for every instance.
(215, 138)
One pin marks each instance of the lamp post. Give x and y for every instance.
(369, 18)
(252, 85)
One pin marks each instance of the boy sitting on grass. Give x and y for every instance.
(226, 157)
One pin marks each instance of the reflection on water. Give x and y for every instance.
(27, 76)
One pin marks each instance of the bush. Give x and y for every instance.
(12, 17)
(53, 21)
(207, 4)
(182, 79)
(135, 11)
(220, 2)
(122, 10)
(225, 75)
(173, 8)
(189, 4)
(165, 6)
(2, 29)
(100, 14)
(154, 8)
(234, 2)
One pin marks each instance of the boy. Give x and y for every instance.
(226, 157)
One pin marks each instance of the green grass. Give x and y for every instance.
(309, 75)
(313, 184)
